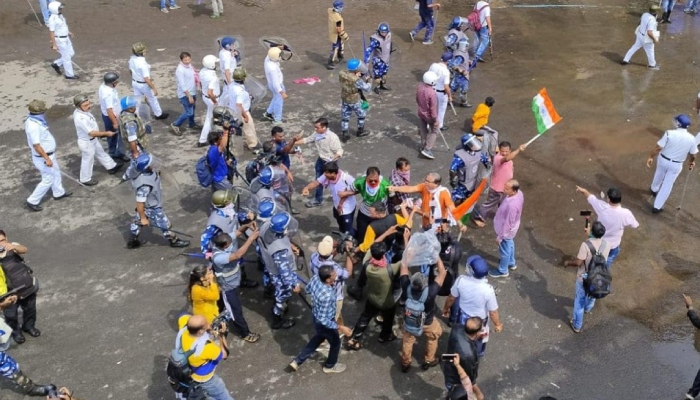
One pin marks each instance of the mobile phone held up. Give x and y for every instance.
(448, 357)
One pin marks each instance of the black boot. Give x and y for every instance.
(668, 17)
(29, 387)
(281, 323)
(269, 292)
(383, 86)
(331, 64)
(177, 242)
(345, 136)
(133, 242)
(361, 132)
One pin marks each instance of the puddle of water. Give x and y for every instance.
(678, 348)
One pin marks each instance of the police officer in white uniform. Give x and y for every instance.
(60, 40)
(210, 94)
(673, 148)
(111, 108)
(141, 80)
(442, 86)
(43, 146)
(228, 63)
(241, 99)
(646, 37)
(90, 147)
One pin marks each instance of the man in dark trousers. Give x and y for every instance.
(462, 341)
(694, 391)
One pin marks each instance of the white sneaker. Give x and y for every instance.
(175, 7)
(293, 366)
(337, 368)
(164, 10)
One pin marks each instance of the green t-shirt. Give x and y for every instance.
(382, 193)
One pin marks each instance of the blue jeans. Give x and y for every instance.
(319, 171)
(115, 144)
(162, 3)
(428, 22)
(692, 5)
(667, 5)
(322, 333)
(44, 5)
(188, 115)
(345, 221)
(612, 256)
(581, 303)
(276, 105)
(216, 389)
(507, 251)
(483, 39)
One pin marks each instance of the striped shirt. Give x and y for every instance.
(204, 361)
(324, 301)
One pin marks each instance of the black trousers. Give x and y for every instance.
(28, 306)
(363, 222)
(695, 389)
(232, 303)
(370, 312)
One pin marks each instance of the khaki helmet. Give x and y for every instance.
(138, 48)
(274, 53)
(222, 198)
(79, 99)
(37, 107)
(654, 9)
(239, 74)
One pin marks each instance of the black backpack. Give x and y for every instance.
(598, 277)
(178, 369)
(18, 274)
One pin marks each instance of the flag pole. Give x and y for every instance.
(533, 139)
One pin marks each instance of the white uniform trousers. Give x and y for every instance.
(217, 7)
(226, 99)
(89, 150)
(442, 100)
(249, 135)
(666, 173)
(65, 49)
(142, 89)
(50, 179)
(648, 48)
(206, 128)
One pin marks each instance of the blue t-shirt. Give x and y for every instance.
(282, 155)
(217, 163)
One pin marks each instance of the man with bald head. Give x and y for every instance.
(196, 334)
(506, 224)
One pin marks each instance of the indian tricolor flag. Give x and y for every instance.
(545, 114)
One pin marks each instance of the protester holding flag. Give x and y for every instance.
(506, 224)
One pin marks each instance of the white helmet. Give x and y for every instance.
(430, 78)
(210, 61)
(54, 6)
(463, 44)
(274, 53)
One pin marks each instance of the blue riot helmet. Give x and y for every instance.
(354, 65)
(682, 120)
(266, 176)
(266, 208)
(143, 162)
(338, 6)
(280, 222)
(456, 62)
(477, 267)
(463, 44)
(227, 42)
(450, 40)
(128, 102)
(470, 142)
(383, 28)
(458, 23)
(446, 56)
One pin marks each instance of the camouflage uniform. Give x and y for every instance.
(350, 99)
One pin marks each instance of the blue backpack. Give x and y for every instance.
(415, 312)
(203, 172)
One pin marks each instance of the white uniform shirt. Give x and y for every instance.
(227, 62)
(241, 96)
(140, 70)
(57, 24)
(485, 12)
(476, 296)
(209, 80)
(273, 74)
(443, 76)
(109, 98)
(84, 124)
(38, 133)
(676, 144)
(647, 23)
(185, 81)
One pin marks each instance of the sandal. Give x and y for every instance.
(391, 338)
(353, 344)
(252, 337)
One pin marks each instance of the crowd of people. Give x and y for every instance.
(399, 248)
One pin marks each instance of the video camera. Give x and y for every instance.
(225, 117)
(218, 323)
(344, 237)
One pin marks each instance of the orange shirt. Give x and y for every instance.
(444, 200)
(480, 117)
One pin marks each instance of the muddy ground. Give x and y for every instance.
(108, 314)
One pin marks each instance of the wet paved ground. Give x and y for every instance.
(108, 314)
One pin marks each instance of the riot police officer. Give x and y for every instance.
(278, 255)
(456, 33)
(225, 219)
(149, 202)
(380, 49)
(464, 169)
(132, 127)
(353, 82)
(460, 67)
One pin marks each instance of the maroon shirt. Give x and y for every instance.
(427, 103)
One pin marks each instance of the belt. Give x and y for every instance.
(137, 81)
(677, 162)
(61, 37)
(48, 154)
(440, 91)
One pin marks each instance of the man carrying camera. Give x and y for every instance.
(324, 256)
(219, 157)
(203, 362)
(19, 276)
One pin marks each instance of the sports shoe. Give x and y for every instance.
(312, 204)
(427, 42)
(337, 368)
(175, 7)
(571, 325)
(176, 130)
(164, 10)
(293, 366)
(91, 182)
(689, 396)
(412, 35)
(266, 115)
(427, 153)
(655, 67)
(512, 267)
(494, 273)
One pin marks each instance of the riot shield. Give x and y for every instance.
(423, 248)
(288, 52)
(237, 45)
(125, 192)
(245, 201)
(256, 89)
(143, 110)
